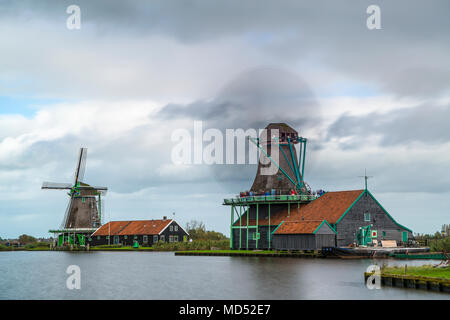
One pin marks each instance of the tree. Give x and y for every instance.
(26, 239)
(197, 231)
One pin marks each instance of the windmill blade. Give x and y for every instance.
(66, 215)
(81, 166)
(102, 190)
(56, 185)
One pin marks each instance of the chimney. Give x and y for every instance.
(165, 218)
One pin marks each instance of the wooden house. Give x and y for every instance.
(143, 232)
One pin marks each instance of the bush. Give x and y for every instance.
(112, 246)
(440, 245)
(37, 245)
(194, 245)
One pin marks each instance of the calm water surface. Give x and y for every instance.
(162, 275)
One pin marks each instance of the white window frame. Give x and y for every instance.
(176, 228)
(367, 214)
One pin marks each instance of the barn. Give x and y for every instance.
(304, 235)
(142, 232)
(347, 217)
(352, 214)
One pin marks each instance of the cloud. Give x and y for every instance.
(420, 124)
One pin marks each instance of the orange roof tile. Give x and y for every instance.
(331, 206)
(146, 227)
(132, 227)
(299, 227)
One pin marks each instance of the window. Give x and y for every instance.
(175, 238)
(171, 228)
(176, 228)
(367, 216)
(162, 238)
(135, 237)
(145, 239)
(170, 238)
(125, 237)
(98, 237)
(155, 239)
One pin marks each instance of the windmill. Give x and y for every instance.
(84, 210)
(290, 168)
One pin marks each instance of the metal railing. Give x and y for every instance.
(252, 199)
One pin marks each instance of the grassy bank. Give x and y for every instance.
(119, 248)
(420, 271)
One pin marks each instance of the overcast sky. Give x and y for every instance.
(138, 70)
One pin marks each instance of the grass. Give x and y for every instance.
(420, 271)
(119, 248)
(252, 252)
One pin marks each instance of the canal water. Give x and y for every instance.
(162, 275)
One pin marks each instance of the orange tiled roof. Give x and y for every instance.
(299, 227)
(132, 227)
(331, 206)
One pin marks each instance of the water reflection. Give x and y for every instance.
(153, 275)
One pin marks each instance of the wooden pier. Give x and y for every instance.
(413, 282)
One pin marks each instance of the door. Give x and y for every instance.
(405, 236)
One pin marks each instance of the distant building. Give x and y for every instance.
(143, 232)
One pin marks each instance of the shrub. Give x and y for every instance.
(440, 245)
(194, 245)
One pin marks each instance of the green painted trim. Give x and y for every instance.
(351, 206)
(324, 221)
(277, 227)
(285, 157)
(293, 162)
(385, 211)
(267, 155)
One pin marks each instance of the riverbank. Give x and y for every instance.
(415, 277)
(249, 253)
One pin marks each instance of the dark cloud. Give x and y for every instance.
(253, 99)
(424, 123)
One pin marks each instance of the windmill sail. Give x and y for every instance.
(56, 186)
(81, 166)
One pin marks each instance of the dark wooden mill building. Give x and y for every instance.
(140, 232)
(280, 211)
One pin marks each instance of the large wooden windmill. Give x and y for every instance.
(84, 211)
